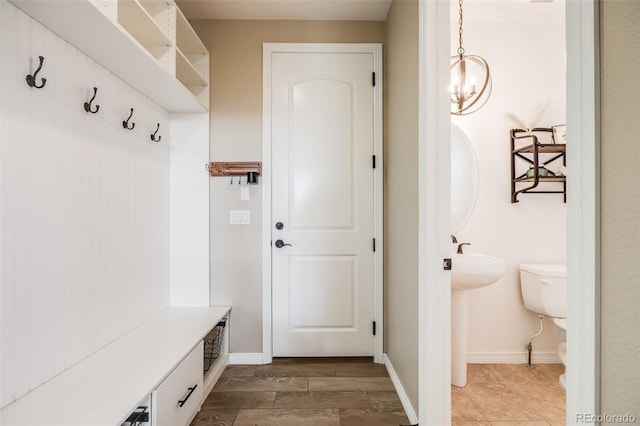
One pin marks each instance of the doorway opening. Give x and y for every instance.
(582, 211)
(525, 44)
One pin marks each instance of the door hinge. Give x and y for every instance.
(374, 328)
(446, 264)
(373, 79)
(374, 162)
(374, 244)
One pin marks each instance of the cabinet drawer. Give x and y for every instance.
(178, 398)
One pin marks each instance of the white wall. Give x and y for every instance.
(84, 208)
(524, 44)
(189, 210)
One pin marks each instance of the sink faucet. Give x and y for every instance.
(460, 247)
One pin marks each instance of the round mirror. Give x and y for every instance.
(464, 178)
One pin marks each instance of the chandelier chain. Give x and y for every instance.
(460, 48)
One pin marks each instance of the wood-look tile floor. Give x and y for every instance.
(304, 391)
(509, 394)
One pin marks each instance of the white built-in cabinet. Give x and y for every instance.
(149, 44)
(179, 396)
(157, 367)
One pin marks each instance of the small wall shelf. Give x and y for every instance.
(239, 168)
(527, 147)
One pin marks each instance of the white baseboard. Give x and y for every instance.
(404, 399)
(251, 358)
(513, 358)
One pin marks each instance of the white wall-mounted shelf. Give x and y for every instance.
(162, 13)
(187, 73)
(192, 59)
(137, 40)
(105, 387)
(135, 18)
(186, 38)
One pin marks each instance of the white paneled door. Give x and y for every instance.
(322, 203)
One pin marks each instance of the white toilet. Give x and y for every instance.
(544, 291)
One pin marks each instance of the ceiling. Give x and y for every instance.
(323, 10)
(486, 11)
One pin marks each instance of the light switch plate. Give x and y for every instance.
(239, 217)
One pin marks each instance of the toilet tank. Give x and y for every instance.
(544, 288)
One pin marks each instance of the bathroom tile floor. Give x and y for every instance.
(509, 394)
(357, 392)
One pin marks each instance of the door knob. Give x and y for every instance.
(280, 244)
(279, 226)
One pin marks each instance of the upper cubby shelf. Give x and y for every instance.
(187, 39)
(147, 43)
(192, 59)
(138, 22)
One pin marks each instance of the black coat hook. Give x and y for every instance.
(125, 123)
(87, 105)
(31, 79)
(153, 136)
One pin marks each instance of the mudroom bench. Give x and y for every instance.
(158, 374)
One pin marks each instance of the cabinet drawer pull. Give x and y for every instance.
(182, 402)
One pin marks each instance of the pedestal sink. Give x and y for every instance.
(469, 271)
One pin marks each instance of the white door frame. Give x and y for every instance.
(583, 208)
(268, 50)
(583, 212)
(434, 218)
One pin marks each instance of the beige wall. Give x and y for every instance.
(620, 294)
(236, 135)
(401, 193)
